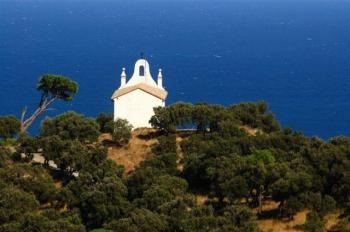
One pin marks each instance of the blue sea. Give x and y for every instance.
(295, 54)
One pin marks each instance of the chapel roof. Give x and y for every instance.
(157, 92)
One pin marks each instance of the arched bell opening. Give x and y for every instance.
(142, 71)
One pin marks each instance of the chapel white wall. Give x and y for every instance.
(137, 107)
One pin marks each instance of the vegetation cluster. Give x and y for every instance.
(77, 188)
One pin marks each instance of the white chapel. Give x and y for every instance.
(135, 99)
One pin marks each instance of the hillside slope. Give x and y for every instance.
(138, 149)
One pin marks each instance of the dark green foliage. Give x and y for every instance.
(225, 163)
(71, 156)
(220, 162)
(100, 194)
(121, 131)
(52, 147)
(167, 144)
(204, 218)
(224, 178)
(105, 121)
(163, 190)
(152, 170)
(70, 126)
(229, 128)
(100, 230)
(321, 204)
(140, 220)
(213, 118)
(343, 225)
(30, 179)
(52, 88)
(168, 118)
(255, 115)
(261, 157)
(5, 154)
(289, 190)
(14, 203)
(201, 219)
(27, 146)
(57, 86)
(51, 220)
(293, 205)
(166, 163)
(9, 127)
(201, 116)
(240, 216)
(162, 120)
(314, 223)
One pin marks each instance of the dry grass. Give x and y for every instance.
(58, 184)
(250, 131)
(138, 149)
(180, 155)
(268, 205)
(285, 225)
(273, 223)
(332, 220)
(279, 225)
(201, 199)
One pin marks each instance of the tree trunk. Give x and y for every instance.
(26, 123)
(261, 192)
(260, 204)
(281, 209)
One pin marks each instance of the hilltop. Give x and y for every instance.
(236, 169)
(139, 149)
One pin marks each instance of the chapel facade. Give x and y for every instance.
(135, 99)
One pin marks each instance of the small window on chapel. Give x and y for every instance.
(142, 70)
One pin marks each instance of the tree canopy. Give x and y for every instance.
(214, 177)
(70, 126)
(56, 86)
(52, 87)
(205, 117)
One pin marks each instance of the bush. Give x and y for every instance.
(314, 222)
(140, 220)
(27, 146)
(9, 126)
(105, 121)
(5, 153)
(14, 203)
(30, 179)
(121, 131)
